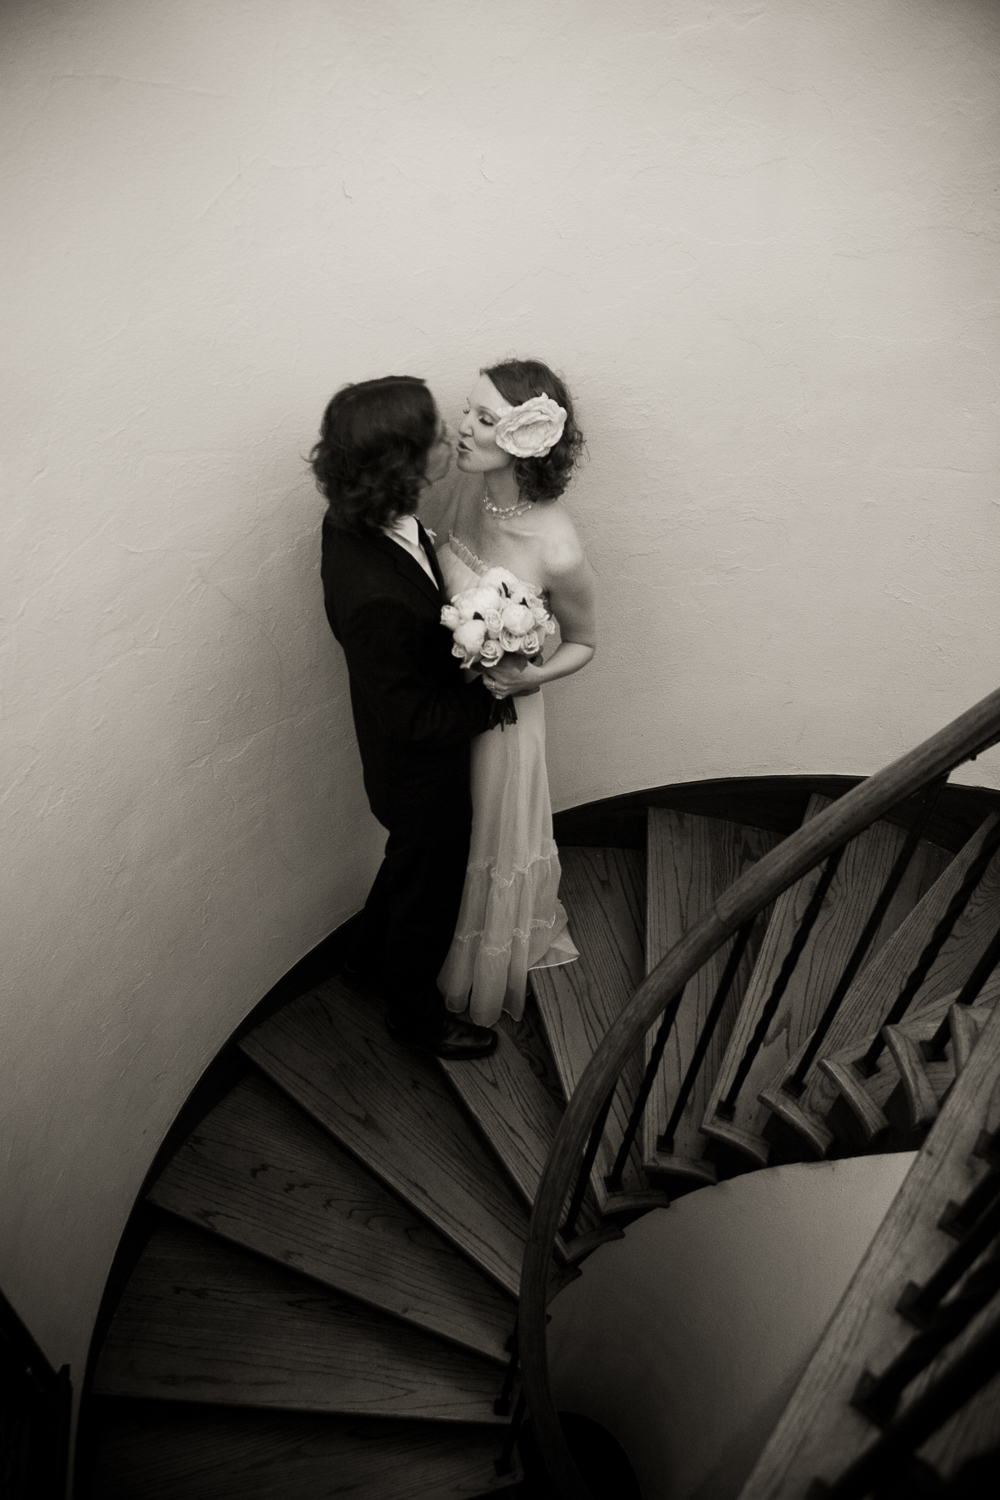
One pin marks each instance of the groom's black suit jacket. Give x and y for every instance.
(413, 715)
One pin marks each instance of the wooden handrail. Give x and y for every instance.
(961, 740)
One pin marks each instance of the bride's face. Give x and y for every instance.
(477, 445)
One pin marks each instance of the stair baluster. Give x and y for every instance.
(867, 1064)
(505, 1463)
(795, 1084)
(587, 1166)
(963, 1379)
(726, 1108)
(736, 952)
(616, 1176)
(876, 1397)
(967, 995)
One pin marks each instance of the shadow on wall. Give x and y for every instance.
(686, 1338)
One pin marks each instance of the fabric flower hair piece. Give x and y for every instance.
(532, 429)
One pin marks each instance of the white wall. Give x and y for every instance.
(760, 239)
(686, 1339)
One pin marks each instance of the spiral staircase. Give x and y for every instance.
(325, 1301)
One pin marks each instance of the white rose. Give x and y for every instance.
(532, 429)
(476, 602)
(530, 644)
(490, 652)
(500, 579)
(550, 626)
(494, 621)
(517, 619)
(511, 642)
(450, 616)
(538, 612)
(469, 636)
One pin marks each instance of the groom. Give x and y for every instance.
(380, 442)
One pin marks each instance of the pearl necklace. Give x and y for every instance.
(500, 510)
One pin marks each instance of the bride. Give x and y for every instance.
(518, 443)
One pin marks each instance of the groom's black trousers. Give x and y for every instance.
(415, 720)
(412, 908)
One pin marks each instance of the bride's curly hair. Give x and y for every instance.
(371, 458)
(519, 380)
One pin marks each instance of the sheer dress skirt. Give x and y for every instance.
(511, 919)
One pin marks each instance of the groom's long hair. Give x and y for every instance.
(371, 458)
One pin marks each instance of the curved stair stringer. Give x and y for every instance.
(885, 1383)
(783, 1004)
(835, 1075)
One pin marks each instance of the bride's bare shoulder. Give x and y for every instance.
(562, 550)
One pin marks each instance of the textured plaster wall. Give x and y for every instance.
(686, 1339)
(760, 239)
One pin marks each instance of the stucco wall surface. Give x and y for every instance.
(686, 1338)
(761, 241)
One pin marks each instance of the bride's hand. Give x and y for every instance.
(507, 680)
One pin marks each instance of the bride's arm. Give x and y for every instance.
(570, 582)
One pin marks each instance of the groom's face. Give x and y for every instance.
(440, 453)
(477, 446)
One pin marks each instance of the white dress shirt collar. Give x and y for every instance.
(404, 532)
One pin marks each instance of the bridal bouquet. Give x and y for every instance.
(500, 616)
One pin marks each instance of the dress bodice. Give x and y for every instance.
(461, 568)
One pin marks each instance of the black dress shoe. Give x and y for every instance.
(361, 981)
(457, 1041)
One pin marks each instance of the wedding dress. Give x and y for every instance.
(511, 919)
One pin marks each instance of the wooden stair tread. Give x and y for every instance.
(604, 891)
(924, 1082)
(690, 861)
(819, 1433)
(393, 1110)
(902, 1061)
(149, 1452)
(512, 1107)
(871, 995)
(867, 1095)
(965, 1023)
(202, 1320)
(864, 868)
(259, 1172)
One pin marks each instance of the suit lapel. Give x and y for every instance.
(428, 547)
(407, 567)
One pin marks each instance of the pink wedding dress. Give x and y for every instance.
(511, 919)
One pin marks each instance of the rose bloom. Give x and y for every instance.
(517, 619)
(511, 642)
(530, 644)
(490, 652)
(450, 616)
(495, 578)
(538, 612)
(532, 429)
(494, 621)
(468, 638)
(476, 602)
